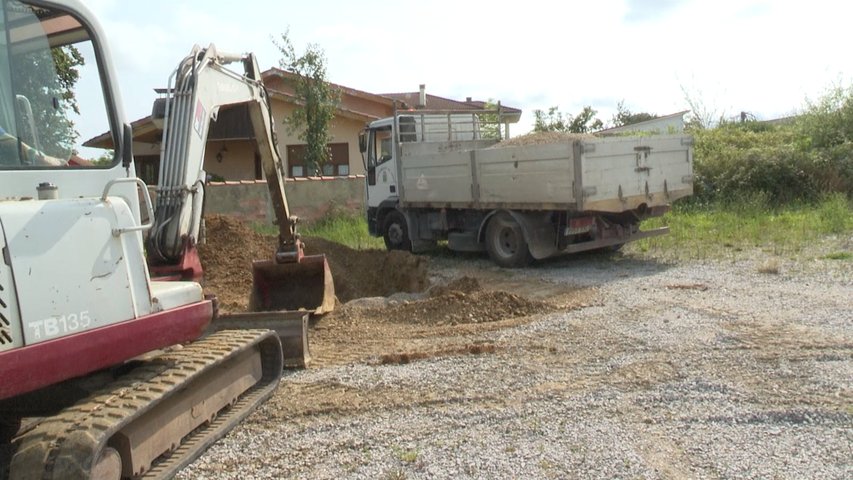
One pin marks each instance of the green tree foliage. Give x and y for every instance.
(555, 121)
(803, 161)
(828, 123)
(490, 125)
(624, 116)
(318, 100)
(47, 78)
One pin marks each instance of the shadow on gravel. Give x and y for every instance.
(604, 265)
(607, 261)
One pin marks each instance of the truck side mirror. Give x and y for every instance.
(362, 142)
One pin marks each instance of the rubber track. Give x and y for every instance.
(65, 445)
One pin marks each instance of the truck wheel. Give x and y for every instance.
(505, 242)
(396, 232)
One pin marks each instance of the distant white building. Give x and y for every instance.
(672, 123)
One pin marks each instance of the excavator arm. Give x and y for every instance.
(199, 88)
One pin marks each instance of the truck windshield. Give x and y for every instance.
(51, 100)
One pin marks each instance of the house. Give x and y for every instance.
(423, 100)
(672, 123)
(230, 153)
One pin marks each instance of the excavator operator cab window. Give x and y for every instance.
(52, 105)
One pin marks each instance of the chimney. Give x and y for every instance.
(422, 97)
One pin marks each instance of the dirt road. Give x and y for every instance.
(589, 367)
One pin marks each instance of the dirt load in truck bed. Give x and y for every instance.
(540, 138)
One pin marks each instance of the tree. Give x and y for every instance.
(490, 125)
(555, 121)
(585, 121)
(624, 116)
(47, 78)
(317, 100)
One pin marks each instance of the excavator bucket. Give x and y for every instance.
(303, 285)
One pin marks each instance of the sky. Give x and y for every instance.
(657, 56)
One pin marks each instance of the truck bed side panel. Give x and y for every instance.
(622, 173)
(436, 176)
(530, 174)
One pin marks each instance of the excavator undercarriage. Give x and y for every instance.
(157, 416)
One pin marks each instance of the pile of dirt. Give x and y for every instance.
(446, 306)
(539, 138)
(370, 273)
(226, 258)
(231, 246)
(464, 284)
(457, 307)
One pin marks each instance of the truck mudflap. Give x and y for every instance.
(158, 417)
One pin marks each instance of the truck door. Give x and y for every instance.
(381, 174)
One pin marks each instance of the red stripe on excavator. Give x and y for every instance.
(32, 367)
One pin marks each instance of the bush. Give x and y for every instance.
(829, 122)
(835, 214)
(803, 161)
(733, 161)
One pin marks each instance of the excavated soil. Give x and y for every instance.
(231, 246)
(376, 321)
(370, 273)
(460, 301)
(226, 257)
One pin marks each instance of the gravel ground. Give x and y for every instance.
(672, 370)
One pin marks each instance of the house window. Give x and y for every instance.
(338, 163)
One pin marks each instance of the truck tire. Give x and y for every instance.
(395, 231)
(505, 242)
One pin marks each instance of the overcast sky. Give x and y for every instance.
(763, 57)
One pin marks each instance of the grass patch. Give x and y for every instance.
(407, 456)
(346, 228)
(712, 231)
(696, 231)
(838, 256)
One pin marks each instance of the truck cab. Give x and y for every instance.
(382, 144)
